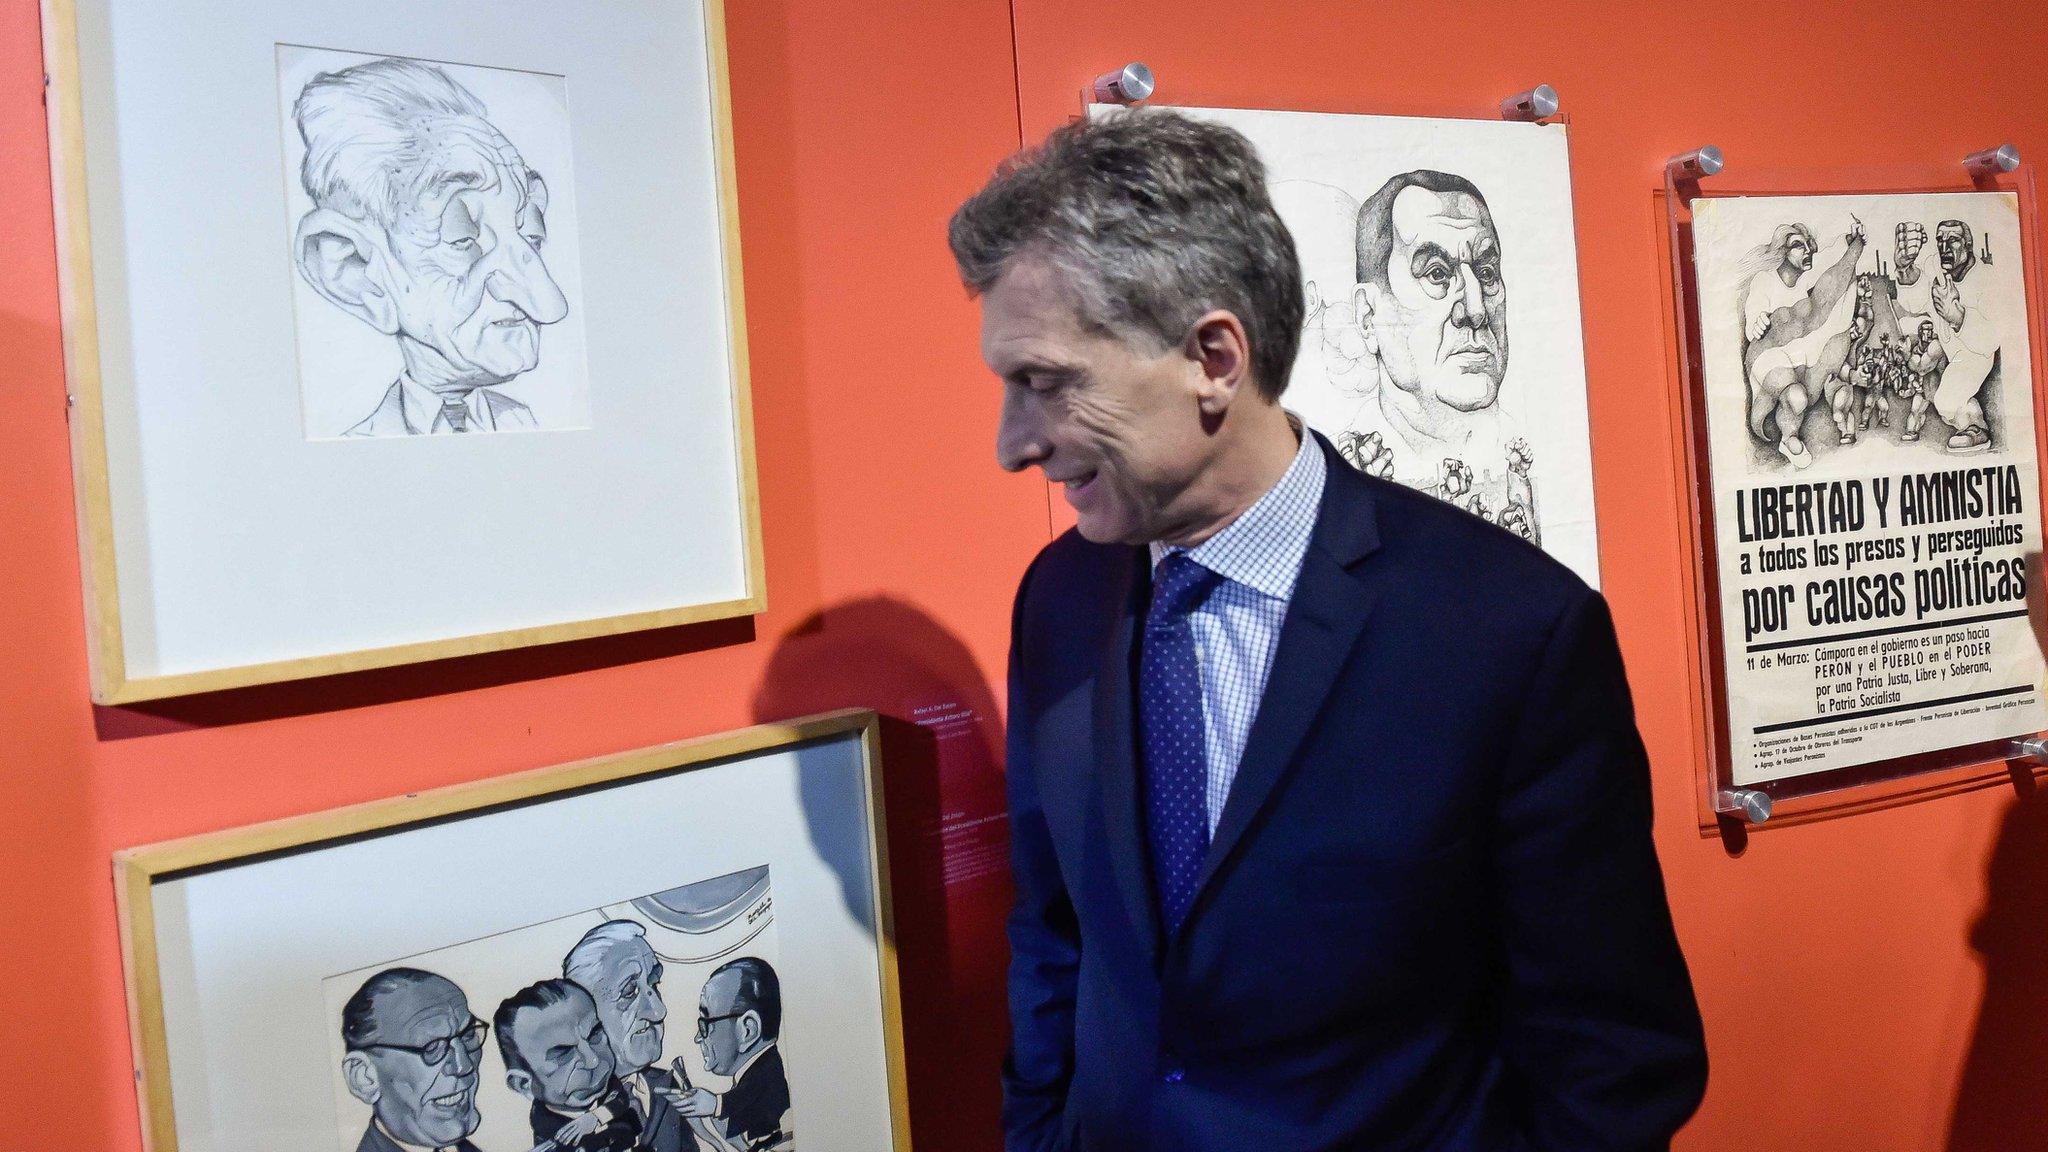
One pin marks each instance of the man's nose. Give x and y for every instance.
(521, 278)
(1469, 310)
(461, 1060)
(1020, 438)
(657, 1011)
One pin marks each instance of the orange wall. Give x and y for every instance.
(1868, 982)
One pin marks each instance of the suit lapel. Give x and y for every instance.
(1116, 765)
(1324, 619)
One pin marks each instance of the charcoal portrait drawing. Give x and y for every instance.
(1432, 306)
(427, 224)
(580, 1056)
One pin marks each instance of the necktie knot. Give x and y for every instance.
(456, 413)
(1179, 585)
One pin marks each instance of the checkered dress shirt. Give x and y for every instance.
(1237, 629)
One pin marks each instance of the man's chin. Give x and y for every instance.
(1469, 391)
(1097, 529)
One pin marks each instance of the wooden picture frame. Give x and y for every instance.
(187, 964)
(116, 569)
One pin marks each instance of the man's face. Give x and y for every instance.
(565, 1046)
(1953, 244)
(421, 1103)
(628, 994)
(1924, 335)
(1119, 426)
(1439, 325)
(718, 1029)
(467, 279)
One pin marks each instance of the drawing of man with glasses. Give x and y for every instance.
(739, 1018)
(413, 1057)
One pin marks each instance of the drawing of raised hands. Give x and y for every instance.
(1855, 232)
(1367, 453)
(1517, 518)
(1520, 458)
(1457, 478)
(1907, 240)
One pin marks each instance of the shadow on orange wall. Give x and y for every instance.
(948, 837)
(2005, 1076)
(413, 681)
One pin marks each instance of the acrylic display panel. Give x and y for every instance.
(1864, 438)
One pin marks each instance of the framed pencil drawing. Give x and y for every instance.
(389, 334)
(684, 947)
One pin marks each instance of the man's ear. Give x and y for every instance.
(1362, 300)
(521, 1081)
(749, 1027)
(346, 261)
(361, 1077)
(1218, 345)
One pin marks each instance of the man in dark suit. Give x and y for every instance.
(739, 1017)
(1331, 822)
(413, 1056)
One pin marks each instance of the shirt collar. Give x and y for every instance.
(1263, 548)
(423, 406)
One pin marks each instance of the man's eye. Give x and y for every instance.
(536, 239)
(1436, 273)
(463, 243)
(1489, 275)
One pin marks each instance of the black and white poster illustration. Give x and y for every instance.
(647, 1026)
(1442, 346)
(434, 242)
(1868, 387)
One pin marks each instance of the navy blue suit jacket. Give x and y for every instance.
(1431, 916)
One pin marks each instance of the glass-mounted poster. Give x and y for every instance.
(685, 948)
(389, 334)
(1871, 490)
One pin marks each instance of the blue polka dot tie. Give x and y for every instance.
(1172, 745)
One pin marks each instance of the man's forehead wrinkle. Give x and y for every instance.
(412, 1012)
(1418, 210)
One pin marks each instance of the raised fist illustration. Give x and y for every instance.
(1367, 453)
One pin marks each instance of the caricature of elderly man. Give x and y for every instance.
(428, 226)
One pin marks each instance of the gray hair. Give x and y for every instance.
(1151, 218)
(592, 952)
(369, 134)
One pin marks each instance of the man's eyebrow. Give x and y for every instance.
(1424, 251)
(1018, 371)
